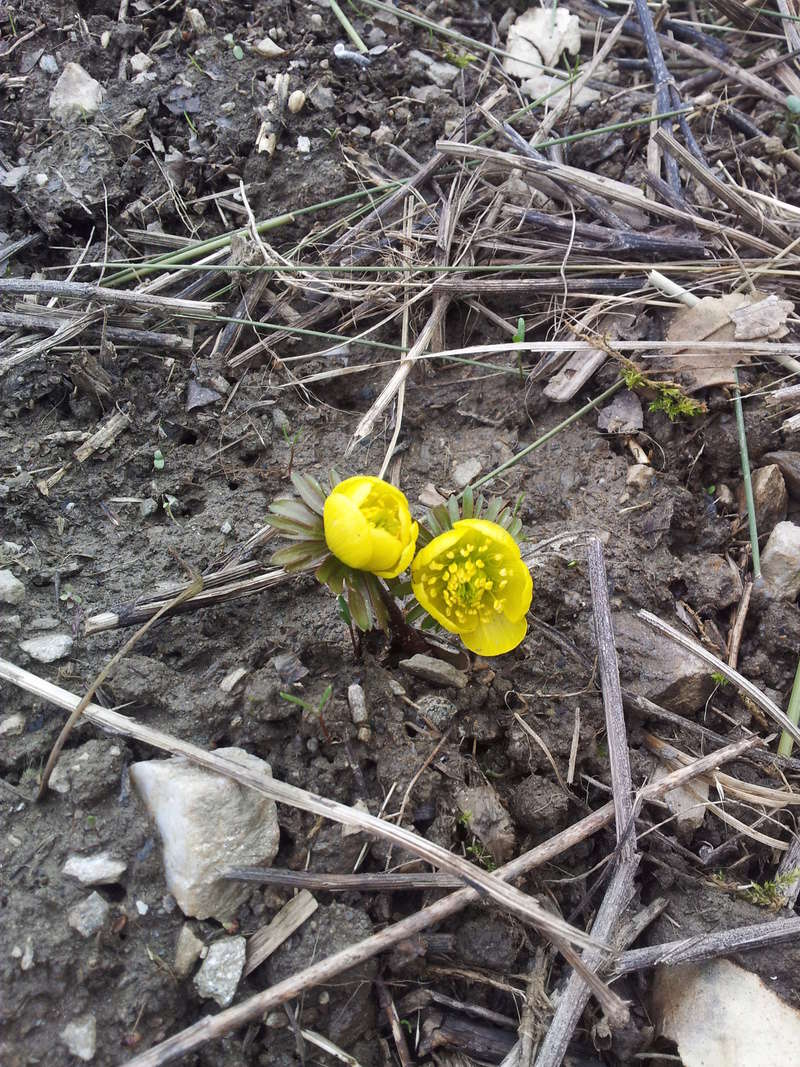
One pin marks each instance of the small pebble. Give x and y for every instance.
(187, 951)
(100, 869)
(222, 969)
(89, 916)
(435, 671)
(268, 49)
(296, 101)
(47, 649)
(12, 725)
(80, 1037)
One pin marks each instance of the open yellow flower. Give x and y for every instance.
(368, 526)
(472, 580)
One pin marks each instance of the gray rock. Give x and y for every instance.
(435, 671)
(89, 916)
(10, 624)
(442, 74)
(222, 969)
(198, 396)
(12, 725)
(780, 562)
(623, 414)
(322, 97)
(769, 497)
(148, 507)
(358, 704)
(466, 471)
(12, 591)
(76, 96)
(438, 709)
(80, 1037)
(208, 822)
(100, 869)
(660, 669)
(789, 464)
(712, 582)
(49, 648)
(187, 951)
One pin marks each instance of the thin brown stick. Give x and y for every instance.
(726, 193)
(735, 639)
(212, 1028)
(616, 733)
(119, 334)
(381, 882)
(390, 1011)
(621, 887)
(709, 946)
(88, 291)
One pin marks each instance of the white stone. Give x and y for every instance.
(80, 1037)
(12, 591)
(76, 95)
(142, 907)
(687, 803)
(12, 725)
(296, 101)
(196, 20)
(89, 916)
(269, 49)
(222, 969)
(47, 649)
(780, 562)
(465, 472)
(721, 1015)
(140, 62)
(383, 135)
(100, 869)
(187, 951)
(207, 823)
(303, 144)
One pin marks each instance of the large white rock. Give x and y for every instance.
(780, 562)
(76, 95)
(207, 823)
(721, 1015)
(12, 591)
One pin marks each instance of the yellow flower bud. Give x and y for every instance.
(472, 580)
(368, 526)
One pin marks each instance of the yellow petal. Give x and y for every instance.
(385, 551)
(493, 530)
(347, 532)
(519, 592)
(356, 489)
(405, 557)
(495, 637)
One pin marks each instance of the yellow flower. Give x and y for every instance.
(368, 526)
(472, 580)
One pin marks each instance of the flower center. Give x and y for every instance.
(380, 514)
(467, 583)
